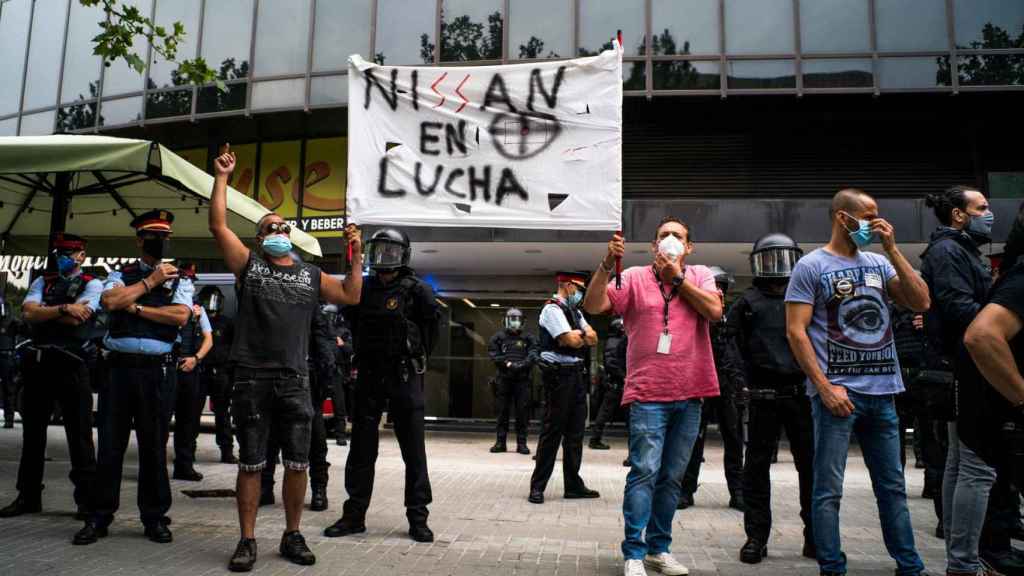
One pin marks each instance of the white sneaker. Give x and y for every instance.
(666, 564)
(634, 568)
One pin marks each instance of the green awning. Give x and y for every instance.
(107, 182)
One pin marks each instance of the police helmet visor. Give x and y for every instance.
(774, 262)
(513, 322)
(213, 302)
(384, 254)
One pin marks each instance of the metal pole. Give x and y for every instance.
(59, 213)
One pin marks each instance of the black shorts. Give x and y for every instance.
(265, 402)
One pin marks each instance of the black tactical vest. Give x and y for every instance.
(549, 343)
(58, 290)
(514, 346)
(385, 326)
(191, 336)
(126, 324)
(765, 331)
(221, 350)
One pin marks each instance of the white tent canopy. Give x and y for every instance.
(105, 182)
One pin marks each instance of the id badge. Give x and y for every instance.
(664, 343)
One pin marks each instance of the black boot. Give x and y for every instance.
(736, 502)
(293, 547)
(22, 505)
(499, 446)
(521, 447)
(89, 534)
(420, 532)
(810, 548)
(685, 501)
(159, 533)
(342, 439)
(188, 474)
(318, 501)
(227, 456)
(753, 551)
(345, 526)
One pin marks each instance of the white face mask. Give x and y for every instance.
(671, 246)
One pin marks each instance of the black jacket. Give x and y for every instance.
(615, 358)
(958, 282)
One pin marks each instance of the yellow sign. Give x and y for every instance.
(279, 184)
(195, 156)
(245, 169)
(323, 201)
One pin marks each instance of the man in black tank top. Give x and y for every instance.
(277, 296)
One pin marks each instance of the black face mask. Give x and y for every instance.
(158, 248)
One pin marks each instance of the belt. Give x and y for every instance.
(550, 367)
(780, 393)
(128, 360)
(245, 372)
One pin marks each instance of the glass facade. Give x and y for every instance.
(292, 54)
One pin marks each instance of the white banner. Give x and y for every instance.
(535, 145)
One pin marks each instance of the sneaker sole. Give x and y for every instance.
(661, 570)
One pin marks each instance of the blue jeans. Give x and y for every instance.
(876, 425)
(661, 437)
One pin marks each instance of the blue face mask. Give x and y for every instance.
(574, 299)
(862, 236)
(65, 263)
(982, 225)
(277, 245)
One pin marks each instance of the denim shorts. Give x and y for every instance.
(265, 402)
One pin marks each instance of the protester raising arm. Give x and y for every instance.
(596, 299)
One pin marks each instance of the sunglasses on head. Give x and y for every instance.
(277, 228)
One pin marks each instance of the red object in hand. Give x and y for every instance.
(618, 268)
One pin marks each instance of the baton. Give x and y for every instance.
(618, 268)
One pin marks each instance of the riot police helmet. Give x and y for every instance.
(723, 278)
(388, 250)
(514, 319)
(774, 256)
(616, 326)
(211, 298)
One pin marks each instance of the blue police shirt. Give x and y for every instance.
(90, 296)
(553, 320)
(148, 346)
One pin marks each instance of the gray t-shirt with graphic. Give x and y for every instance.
(851, 328)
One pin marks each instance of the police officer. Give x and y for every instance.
(321, 368)
(342, 393)
(729, 369)
(59, 307)
(565, 336)
(8, 338)
(513, 353)
(614, 381)
(395, 327)
(148, 304)
(775, 395)
(195, 342)
(214, 370)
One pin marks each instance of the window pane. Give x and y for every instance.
(342, 28)
(685, 75)
(911, 24)
(989, 23)
(123, 111)
(227, 28)
(171, 103)
(533, 37)
(13, 41)
(759, 26)
(328, 90)
(903, 73)
(279, 94)
(282, 37)
(213, 100)
(761, 74)
(634, 76)
(405, 32)
(992, 70)
(37, 124)
(838, 74)
(834, 26)
(600, 19)
(81, 66)
(685, 27)
(44, 55)
(161, 72)
(76, 117)
(119, 78)
(471, 30)
(9, 127)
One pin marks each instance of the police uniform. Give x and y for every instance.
(216, 383)
(615, 380)
(8, 338)
(55, 371)
(513, 353)
(140, 394)
(395, 327)
(342, 393)
(188, 403)
(565, 415)
(777, 399)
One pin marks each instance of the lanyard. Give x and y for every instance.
(666, 297)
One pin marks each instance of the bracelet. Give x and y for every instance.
(145, 283)
(607, 269)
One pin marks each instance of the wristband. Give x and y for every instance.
(607, 269)
(145, 282)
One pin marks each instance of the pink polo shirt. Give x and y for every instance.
(688, 371)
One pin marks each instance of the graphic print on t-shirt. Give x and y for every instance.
(276, 285)
(860, 340)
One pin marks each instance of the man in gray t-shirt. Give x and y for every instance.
(839, 329)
